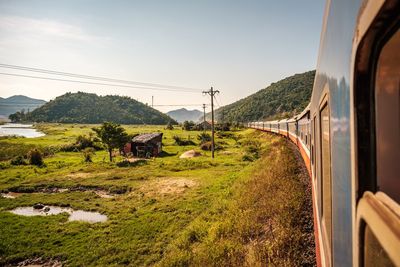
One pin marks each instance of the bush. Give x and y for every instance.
(82, 142)
(180, 142)
(118, 189)
(188, 125)
(35, 157)
(207, 146)
(204, 137)
(126, 163)
(247, 157)
(88, 153)
(19, 160)
(169, 126)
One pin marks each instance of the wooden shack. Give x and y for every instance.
(145, 145)
(204, 125)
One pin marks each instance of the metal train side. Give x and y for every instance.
(349, 135)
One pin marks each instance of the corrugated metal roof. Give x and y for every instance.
(146, 137)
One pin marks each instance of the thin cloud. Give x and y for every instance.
(43, 27)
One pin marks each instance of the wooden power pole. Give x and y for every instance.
(212, 93)
(204, 117)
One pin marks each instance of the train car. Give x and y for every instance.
(274, 126)
(292, 127)
(283, 127)
(349, 135)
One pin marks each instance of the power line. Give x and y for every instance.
(217, 101)
(95, 83)
(99, 78)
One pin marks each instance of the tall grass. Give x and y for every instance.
(266, 220)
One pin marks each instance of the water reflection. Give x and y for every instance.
(74, 215)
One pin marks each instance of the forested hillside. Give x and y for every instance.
(281, 99)
(91, 108)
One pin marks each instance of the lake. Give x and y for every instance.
(25, 130)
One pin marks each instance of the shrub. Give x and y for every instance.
(169, 126)
(181, 142)
(19, 160)
(82, 142)
(88, 153)
(204, 137)
(118, 189)
(207, 146)
(35, 157)
(247, 157)
(188, 125)
(126, 163)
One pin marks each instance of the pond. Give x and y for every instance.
(74, 215)
(25, 130)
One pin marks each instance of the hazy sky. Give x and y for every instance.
(238, 47)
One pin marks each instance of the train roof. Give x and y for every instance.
(303, 113)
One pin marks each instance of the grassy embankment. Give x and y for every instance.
(171, 211)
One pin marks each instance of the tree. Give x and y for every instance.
(112, 135)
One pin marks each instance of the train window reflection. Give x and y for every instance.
(374, 254)
(387, 95)
(326, 173)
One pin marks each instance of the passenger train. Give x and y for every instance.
(349, 135)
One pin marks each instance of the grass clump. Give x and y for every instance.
(18, 161)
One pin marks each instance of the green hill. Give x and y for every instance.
(91, 108)
(281, 99)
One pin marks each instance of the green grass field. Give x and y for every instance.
(169, 211)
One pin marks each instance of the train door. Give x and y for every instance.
(326, 178)
(377, 100)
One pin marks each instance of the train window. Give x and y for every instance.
(387, 110)
(326, 173)
(374, 254)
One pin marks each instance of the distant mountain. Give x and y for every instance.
(90, 108)
(284, 98)
(16, 103)
(181, 115)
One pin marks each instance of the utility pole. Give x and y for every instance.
(212, 93)
(204, 117)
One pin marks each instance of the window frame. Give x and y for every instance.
(376, 23)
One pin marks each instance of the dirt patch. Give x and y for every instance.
(80, 175)
(103, 194)
(169, 186)
(39, 262)
(190, 154)
(10, 195)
